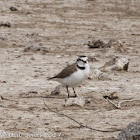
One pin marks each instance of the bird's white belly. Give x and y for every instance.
(75, 79)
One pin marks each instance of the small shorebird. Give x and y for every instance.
(74, 74)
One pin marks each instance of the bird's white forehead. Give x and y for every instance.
(84, 58)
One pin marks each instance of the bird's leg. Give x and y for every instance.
(67, 91)
(75, 95)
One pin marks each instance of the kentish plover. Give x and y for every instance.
(74, 74)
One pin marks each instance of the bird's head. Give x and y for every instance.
(82, 62)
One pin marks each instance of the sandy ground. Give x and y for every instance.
(64, 28)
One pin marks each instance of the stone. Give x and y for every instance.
(111, 96)
(96, 44)
(56, 91)
(13, 8)
(42, 50)
(116, 46)
(6, 24)
(98, 75)
(112, 45)
(131, 132)
(117, 63)
(78, 101)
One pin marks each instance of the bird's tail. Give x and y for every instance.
(50, 78)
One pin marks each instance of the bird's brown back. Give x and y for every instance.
(67, 71)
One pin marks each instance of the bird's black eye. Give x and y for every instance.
(82, 60)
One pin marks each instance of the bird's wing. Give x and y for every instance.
(67, 71)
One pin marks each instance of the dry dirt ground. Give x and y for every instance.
(62, 29)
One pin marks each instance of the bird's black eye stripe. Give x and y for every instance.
(81, 60)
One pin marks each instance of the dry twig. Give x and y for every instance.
(3, 98)
(118, 106)
(81, 125)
